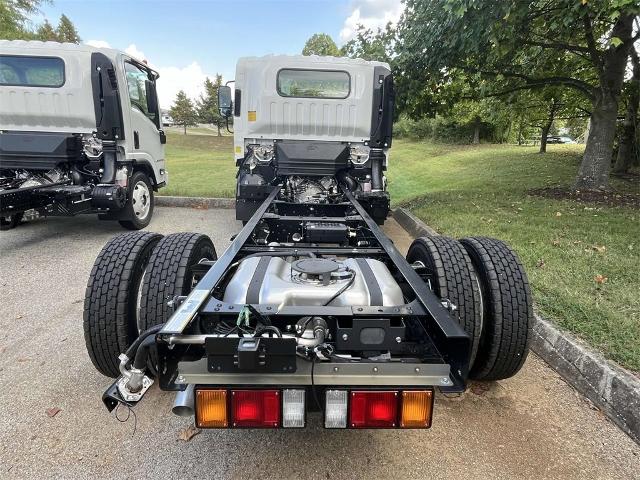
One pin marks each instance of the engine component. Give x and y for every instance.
(109, 196)
(305, 190)
(273, 280)
(327, 232)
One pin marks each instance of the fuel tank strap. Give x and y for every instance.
(255, 285)
(375, 293)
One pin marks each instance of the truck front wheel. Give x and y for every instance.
(139, 206)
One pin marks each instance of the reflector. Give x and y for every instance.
(292, 408)
(373, 409)
(335, 411)
(211, 409)
(255, 408)
(416, 409)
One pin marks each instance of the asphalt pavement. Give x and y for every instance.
(53, 423)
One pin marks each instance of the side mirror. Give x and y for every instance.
(225, 104)
(152, 96)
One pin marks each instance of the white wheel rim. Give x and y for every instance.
(141, 200)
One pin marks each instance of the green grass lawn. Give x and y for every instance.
(482, 190)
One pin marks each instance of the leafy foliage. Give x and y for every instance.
(512, 45)
(321, 44)
(183, 111)
(372, 45)
(15, 25)
(207, 104)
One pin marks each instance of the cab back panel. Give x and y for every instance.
(67, 108)
(266, 114)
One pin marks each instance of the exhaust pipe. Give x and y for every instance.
(184, 403)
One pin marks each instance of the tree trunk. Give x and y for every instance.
(627, 148)
(218, 125)
(593, 173)
(551, 116)
(543, 138)
(596, 163)
(476, 131)
(185, 128)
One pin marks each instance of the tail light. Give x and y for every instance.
(416, 409)
(373, 409)
(378, 409)
(211, 408)
(255, 408)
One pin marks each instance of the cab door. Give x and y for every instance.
(145, 138)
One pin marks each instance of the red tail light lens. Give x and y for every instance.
(373, 409)
(255, 408)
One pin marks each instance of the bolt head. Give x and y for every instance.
(345, 336)
(375, 369)
(398, 339)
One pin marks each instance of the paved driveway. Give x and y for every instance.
(532, 426)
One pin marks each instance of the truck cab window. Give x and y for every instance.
(313, 83)
(137, 88)
(24, 71)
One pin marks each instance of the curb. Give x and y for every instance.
(614, 390)
(194, 202)
(411, 223)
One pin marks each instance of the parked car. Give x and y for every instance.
(559, 140)
(167, 121)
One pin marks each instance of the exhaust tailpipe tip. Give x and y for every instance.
(184, 403)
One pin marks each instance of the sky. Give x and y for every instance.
(189, 40)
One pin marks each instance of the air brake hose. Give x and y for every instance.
(140, 362)
(131, 351)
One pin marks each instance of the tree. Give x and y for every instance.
(14, 18)
(46, 32)
(371, 45)
(530, 44)
(321, 44)
(183, 112)
(207, 104)
(67, 31)
(629, 141)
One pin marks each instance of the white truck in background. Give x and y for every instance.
(80, 132)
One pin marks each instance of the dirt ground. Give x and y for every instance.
(53, 424)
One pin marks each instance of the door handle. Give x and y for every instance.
(136, 140)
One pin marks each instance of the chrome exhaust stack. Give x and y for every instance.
(184, 403)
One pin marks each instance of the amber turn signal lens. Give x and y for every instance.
(211, 409)
(417, 407)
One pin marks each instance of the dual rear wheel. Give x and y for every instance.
(486, 282)
(133, 278)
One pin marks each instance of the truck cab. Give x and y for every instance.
(80, 132)
(309, 119)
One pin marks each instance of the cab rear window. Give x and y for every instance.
(313, 83)
(25, 71)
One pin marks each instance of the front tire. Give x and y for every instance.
(110, 313)
(139, 206)
(170, 273)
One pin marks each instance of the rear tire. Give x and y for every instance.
(170, 274)
(453, 278)
(110, 313)
(508, 311)
(139, 207)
